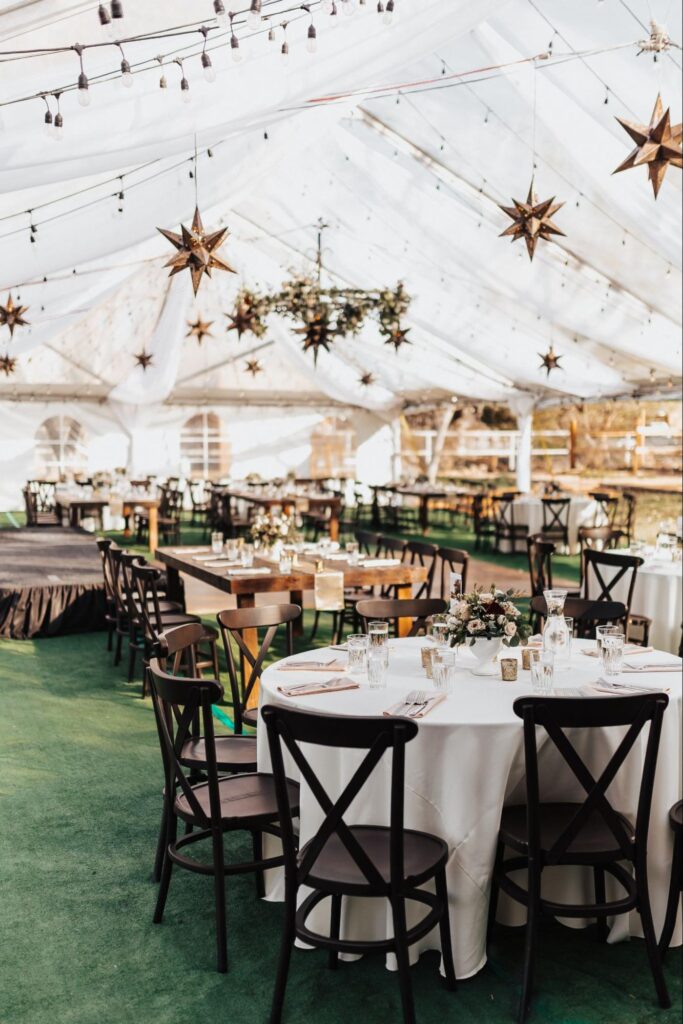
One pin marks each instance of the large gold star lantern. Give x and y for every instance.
(658, 145)
(317, 334)
(550, 361)
(199, 329)
(196, 250)
(532, 220)
(7, 365)
(12, 315)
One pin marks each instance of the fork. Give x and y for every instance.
(417, 699)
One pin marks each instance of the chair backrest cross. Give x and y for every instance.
(540, 553)
(288, 731)
(556, 515)
(417, 552)
(391, 610)
(619, 567)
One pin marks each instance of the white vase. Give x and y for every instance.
(486, 652)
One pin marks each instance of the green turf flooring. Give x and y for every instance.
(80, 788)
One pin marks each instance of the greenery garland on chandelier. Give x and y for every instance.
(323, 315)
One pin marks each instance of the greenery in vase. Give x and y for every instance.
(487, 614)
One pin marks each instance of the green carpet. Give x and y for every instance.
(80, 802)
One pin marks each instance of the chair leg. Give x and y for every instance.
(110, 639)
(314, 631)
(131, 661)
(600, 897)
(288, 937)
(167, 868)
(493, 899)
(257, 848)
(335, 928)
(674, 898)
(403, 959)
(118, 651)
(534, 890)
(219, 895)
(445, 931)
(162, 843)
(650, 937)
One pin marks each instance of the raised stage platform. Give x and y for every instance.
(50, 583)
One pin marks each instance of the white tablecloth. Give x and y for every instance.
(658, 594)
(528, 511)
(465, 764)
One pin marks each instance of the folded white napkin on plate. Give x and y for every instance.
(406, 709)
(619, 689)
(311, 666)
(309, 689)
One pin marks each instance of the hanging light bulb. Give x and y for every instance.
(209, 69)
(116, 9)
(163, 82)
(83, 90)
(235, 48)
(185, 90)
(312, 43)
(49, 127)
(127, 80)
(254, 16)
(284, 52)
(389, 12)
(220, 12)
(59, 128)
(104, 15)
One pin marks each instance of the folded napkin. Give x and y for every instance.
(630, 649)
(377, 563)
(336, 558)
(646, 669)
(221, 563)
(188, 551)
(618, 689)
(309, 689)
(205, 558)
(250, 572)
(405, 709)
(311, 666)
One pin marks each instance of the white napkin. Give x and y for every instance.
(618, 689)
(630, 649)
(403, 708)
(250, 572)
(377, 563)
(221, 563)
(188, 551)
(311, 666)
(668, 666)
(309, 689)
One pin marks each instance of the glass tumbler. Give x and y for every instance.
(440, 633)
(358, 645)
(353, 552)
(542, 672)
(443, 669)
(247, 555)
(377, 669)
(612, 653)
(217, 543)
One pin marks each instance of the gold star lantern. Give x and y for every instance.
(253, 367)
(143, 359)
(199, 329)
(550, 361)
(196, 250)
(532, 220)
(366, 380)
(317, 334)
(398, 337)
(7, 365)
(658, 145)
(248, 314)
(12, 315)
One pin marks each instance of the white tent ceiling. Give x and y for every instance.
(408, 179)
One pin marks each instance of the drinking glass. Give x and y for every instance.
(443, 669)
(603, 631)
(353, 552)
(378, 633)
(247, 555)
(542, 671)
(612, 653)
(440, 632)
(217, 543)
(232, 550)
(377, 669)
(358, 646)
(286, 561)
(324, 546)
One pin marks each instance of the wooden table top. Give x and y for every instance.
(300, 579)
(290, 498)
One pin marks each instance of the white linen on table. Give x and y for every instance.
(528, 511)
(465, 764)
(658, 594)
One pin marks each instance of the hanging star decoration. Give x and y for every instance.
(248, 314)
(253, 367)
(398, 337)
(366, 380)
(7, 365)
(550, 361)
(12, 315)
(143, 359)
(317, 334)
(532, 220)
(658, 145)
(199, 329)
(196, 250)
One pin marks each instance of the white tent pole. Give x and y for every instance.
(525, 421)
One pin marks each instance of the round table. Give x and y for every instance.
(528, 511)
(465, 764)
(658, 594)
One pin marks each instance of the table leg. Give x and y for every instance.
(375, 508)
(174, 590)
(297, 597)
(126, 512)
(334, 526)
(424, 514)
(153, 528)
(250, 637)
(404, 593)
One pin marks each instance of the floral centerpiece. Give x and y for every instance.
(269, 529)
(486, 620)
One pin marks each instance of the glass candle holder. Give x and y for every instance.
(527, 653)
(509, 670)
(427, 654)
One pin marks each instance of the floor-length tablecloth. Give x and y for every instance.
(658, 594)
(465, 764)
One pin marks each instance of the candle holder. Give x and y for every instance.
(509, 668)
(527, 658)
(427, 653)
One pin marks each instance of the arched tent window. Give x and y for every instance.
(333, 449)
(204, 447)
(61, 448)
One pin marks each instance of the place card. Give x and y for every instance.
(336, 685)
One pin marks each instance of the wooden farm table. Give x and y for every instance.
(78, 508)
(293, 501)
(301, 579)
(425, 496)
(152, 505)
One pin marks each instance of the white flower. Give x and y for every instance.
(511, 629)
(475, 626)
(486, 598)
(502, 620)
(463, 611)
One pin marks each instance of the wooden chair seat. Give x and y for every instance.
(595, 837)
(233, 753)
(249, 799)
(335, 868)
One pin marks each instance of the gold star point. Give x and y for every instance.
(550, 361)
(143, 360)
(658, 145)
(253, 367)
(532, 220)
(7, 365)
(196, 250)
(12, 315)
(199, 329)
(366, 380)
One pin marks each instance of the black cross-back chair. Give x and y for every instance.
(483, 520)
(556, 519)
(368, 543)
(506, 529)
(540, 554)
(176, 651)
(423, 554)
(452, 560)
(104, 545)
(343, 860)
(676, 884)
(390, 547)
(627, 570)
(391, 610)
(245, 667)
(591, 833)
(211, 808)
(608, 507)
